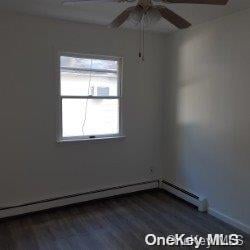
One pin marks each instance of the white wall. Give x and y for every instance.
(32, 165)
(207, 116)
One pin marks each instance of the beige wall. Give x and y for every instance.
(32, 165)
(207, 117)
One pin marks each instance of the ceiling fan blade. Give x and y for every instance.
(73, 2)
(213, 2)
(119, 20)
(173, 18)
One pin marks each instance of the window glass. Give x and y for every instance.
(86, 117)
(84, 84)
(88, 63)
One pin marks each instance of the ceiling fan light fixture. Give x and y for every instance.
(151, 17)
(135, 16)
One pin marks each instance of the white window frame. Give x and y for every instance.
(120, 134)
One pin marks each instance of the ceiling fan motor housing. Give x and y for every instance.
(145, 4)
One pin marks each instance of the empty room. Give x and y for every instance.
(125, 124)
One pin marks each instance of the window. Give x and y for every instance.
(90, 97)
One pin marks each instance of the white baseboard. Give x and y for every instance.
(233, 222)
(76, 198)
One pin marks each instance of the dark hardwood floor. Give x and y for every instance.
(115, 223)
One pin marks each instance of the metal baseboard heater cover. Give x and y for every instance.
(198, 201)
(45, 204)
(31, 207)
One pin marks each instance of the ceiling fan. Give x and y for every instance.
(149, 12)
(145, 12)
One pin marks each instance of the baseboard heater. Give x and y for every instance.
(66, 200)
(198, 201)
(61, 201)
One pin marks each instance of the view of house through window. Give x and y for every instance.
(90, 97)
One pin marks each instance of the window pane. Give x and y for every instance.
(84, 76)
(84, 83)
(86, 117)
(88, 63)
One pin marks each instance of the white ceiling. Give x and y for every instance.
(103, 13)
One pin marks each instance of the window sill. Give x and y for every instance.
(91, 139)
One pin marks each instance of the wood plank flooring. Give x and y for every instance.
(115, 223)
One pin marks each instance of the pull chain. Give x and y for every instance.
(142, 38)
